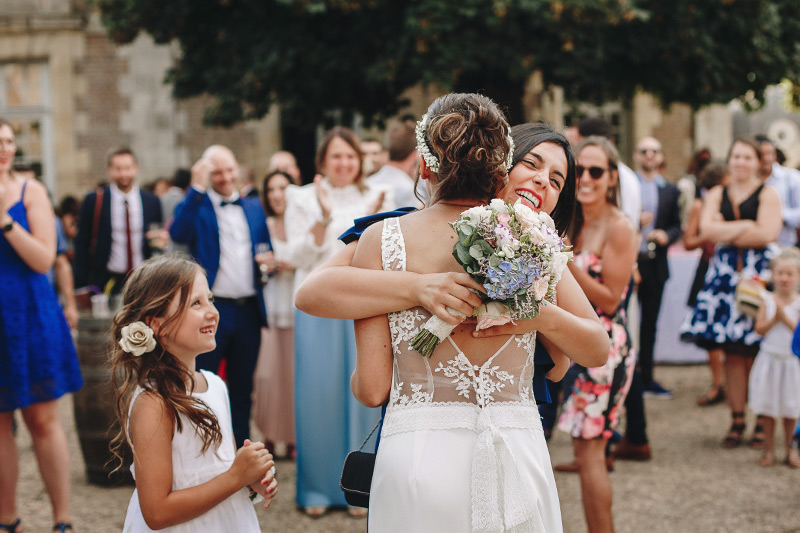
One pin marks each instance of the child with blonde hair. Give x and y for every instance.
(775, 376)
(177, 420)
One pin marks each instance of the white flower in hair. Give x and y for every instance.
(137, 339)
(422, 146)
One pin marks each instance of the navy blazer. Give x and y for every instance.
(195, 225)
(92, 271)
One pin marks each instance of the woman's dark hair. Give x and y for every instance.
(468, 134)
(264, 199)
(348, 136)
(69, 206)
(147, 295)
(526, 138)
(711, 175)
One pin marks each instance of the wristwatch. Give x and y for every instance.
(7, 226)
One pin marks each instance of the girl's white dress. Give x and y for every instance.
(775, 377)
(462, 447)
(191, 467)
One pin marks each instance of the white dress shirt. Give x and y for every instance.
(787, 182)
(118, 258)
(235, 275)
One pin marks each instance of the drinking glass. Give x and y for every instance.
(262, 248)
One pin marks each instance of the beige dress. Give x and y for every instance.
(273, 386)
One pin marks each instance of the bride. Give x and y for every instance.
(462, 447)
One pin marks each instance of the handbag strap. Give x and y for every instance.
(736, 216)
(370, 435)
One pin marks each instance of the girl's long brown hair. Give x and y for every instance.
(147, 295)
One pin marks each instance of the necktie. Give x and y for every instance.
(129, 244)
(223, 203)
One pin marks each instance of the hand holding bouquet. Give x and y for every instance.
(518, 257)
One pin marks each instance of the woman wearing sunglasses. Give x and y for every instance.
(605, 248)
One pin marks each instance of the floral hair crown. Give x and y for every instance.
(137, 338)
(430, 158)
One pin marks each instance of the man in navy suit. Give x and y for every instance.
(113, 226)
(225, 232)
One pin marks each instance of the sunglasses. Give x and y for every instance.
(595, 172)
(644, 151)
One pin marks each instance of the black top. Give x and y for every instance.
(748, 210)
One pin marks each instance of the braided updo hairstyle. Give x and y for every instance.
(469, 135)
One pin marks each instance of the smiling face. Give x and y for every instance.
(8, 148)
(592, 191)
(538, 178)
(194, 331)
(122, 170)
(276, 193)
(743, 162)
(225, 172)
(341, 164)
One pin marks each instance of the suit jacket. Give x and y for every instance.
(92, 270)
(195, 225)
(668, 219)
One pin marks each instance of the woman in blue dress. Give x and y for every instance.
(742, 218)
(38, 363)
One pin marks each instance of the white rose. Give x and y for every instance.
(536, 234)
(545, 218)
(539, 288)
(137, 338)
(478, 215)
(507, 249)
(560, 260)
(498, 206)
(526, 216)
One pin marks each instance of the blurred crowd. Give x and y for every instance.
(259, 232)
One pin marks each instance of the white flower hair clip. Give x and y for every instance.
(137, 339)
(422, 146)
(432, 161)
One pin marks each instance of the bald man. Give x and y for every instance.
(223, 232)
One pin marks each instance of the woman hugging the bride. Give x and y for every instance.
(461, 447)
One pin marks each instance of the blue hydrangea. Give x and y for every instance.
(503, 281)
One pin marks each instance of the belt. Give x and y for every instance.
(235, 301)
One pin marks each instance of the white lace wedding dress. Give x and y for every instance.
(462, 447)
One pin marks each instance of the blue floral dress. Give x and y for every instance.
(38, 362)
(714, 321)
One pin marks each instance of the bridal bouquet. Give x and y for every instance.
(518, 257)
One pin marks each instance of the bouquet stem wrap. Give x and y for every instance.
(433, 332)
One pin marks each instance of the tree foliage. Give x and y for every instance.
(319, 57)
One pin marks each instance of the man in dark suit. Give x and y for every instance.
(661, 226)
(226, 234)
(113, 226)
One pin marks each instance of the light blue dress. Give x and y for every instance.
(330, 422)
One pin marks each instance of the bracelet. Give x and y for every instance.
(325, 220)
(253, 494)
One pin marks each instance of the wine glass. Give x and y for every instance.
(262, 248)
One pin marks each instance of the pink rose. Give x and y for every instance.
(504, 219)
(492, 314)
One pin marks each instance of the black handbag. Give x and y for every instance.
(357, 474)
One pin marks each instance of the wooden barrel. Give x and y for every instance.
(94, 404)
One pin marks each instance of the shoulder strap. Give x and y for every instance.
(22, 193)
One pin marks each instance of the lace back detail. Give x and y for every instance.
(393, 247)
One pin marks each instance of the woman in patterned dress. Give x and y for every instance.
(605, 248)
(742, 240)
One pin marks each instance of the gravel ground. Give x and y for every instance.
(690, 485)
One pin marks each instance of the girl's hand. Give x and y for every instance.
(267, 487)
(323, 196)
(436, 292)
(252, 463)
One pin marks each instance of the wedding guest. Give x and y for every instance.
(400, 170)
(375, 156)
(273, 389)
(742, 219)
(713, 174)
(604, 243)
(329, 420)
(285, 161)
(38, 363)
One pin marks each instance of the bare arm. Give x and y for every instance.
(712, 227)
(372, 377)
(151, 430)
(691, 237)
(768, 222)
(37, 247)
(65, 283)
(336, 289)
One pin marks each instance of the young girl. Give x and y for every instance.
(775, 376)
(189, 477)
